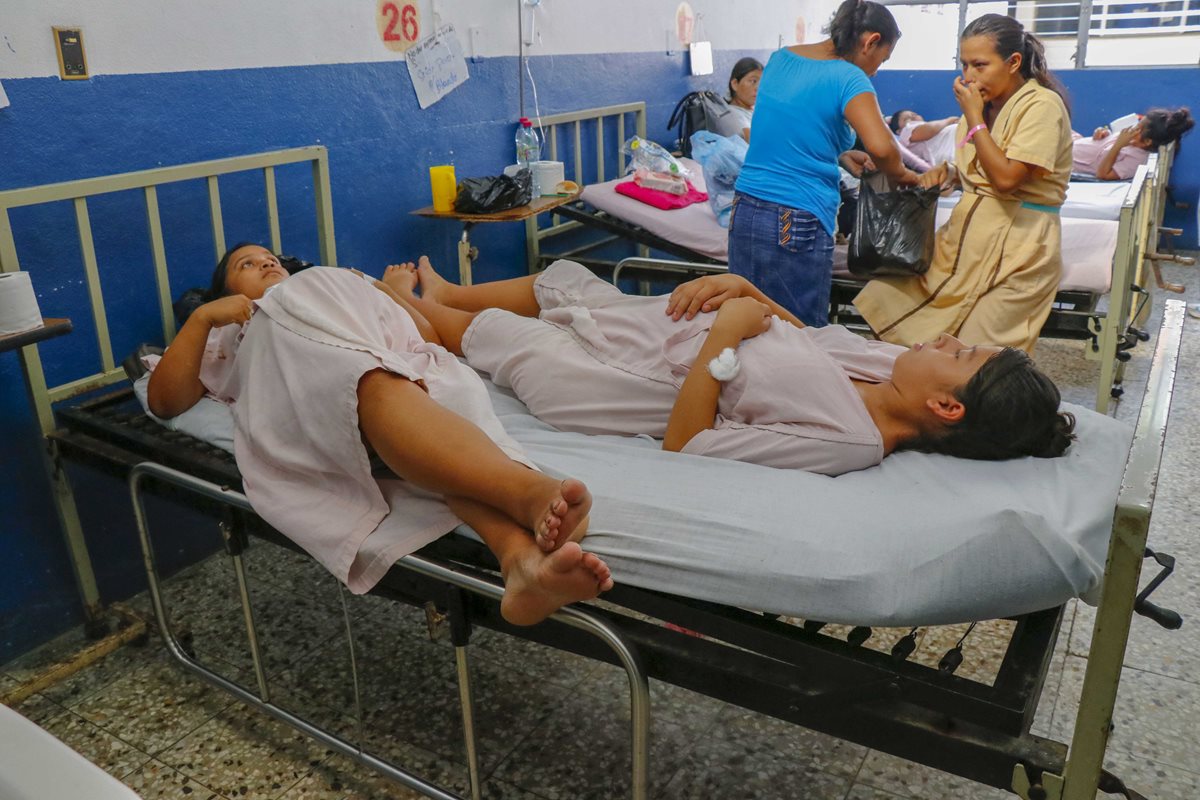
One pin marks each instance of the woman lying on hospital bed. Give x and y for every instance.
(587, 358)
(321, 369)
(931, 141)
(1116, 155)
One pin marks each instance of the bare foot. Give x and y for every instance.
(402, 278)
(562, 517)
(538, 584)
(433, 286)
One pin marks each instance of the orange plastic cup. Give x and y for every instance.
(444, 186)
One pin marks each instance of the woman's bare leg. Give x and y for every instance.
(438, 450)
(515, 295)
(536, 584)
(449, 323)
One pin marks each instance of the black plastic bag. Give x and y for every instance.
(701, 111)
(494, 193)
(893, 230)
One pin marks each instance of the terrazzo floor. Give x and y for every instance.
(552, 726)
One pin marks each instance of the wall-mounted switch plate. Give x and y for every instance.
(72, 64)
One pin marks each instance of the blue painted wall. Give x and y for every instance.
(380, 146)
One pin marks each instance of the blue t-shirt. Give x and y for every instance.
(800, 129)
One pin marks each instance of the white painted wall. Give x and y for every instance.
(145, 36)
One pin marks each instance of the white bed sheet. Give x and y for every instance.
(921, 539)
(1087, 253)
(1096, 200)
(1089, 228)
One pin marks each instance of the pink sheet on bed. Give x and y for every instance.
(694, 227)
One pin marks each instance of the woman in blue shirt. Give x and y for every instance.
(811, 101)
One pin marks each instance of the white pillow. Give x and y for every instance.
(209, 420)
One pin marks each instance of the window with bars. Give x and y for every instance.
(1125, 18)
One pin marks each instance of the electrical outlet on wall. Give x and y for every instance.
(72, 63)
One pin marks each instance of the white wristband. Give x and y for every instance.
(726, 366)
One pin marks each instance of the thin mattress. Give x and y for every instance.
(918, 540)
(1089, 230)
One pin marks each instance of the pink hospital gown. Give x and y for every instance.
(599, 361)
(291, 376)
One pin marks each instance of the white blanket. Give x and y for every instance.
(919, 540)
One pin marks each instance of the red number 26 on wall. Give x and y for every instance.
(399, 24)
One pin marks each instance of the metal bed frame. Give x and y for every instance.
(795, 673)
(1112, 331)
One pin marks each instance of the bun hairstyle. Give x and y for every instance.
(1009, 37)
(741, 69)
(854, 18)
(1011, 411)
(1162, 126)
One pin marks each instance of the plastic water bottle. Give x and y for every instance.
(529, 151)
(529, 144)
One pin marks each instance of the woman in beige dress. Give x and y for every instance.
(998, 260)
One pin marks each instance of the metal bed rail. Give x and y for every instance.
(42, 397)
(574, 617)
(594, 120)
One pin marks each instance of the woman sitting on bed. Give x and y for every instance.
(587, 358)
(1115, 156)
(743, 92)
(322, 369)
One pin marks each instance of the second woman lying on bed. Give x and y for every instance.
(585, 357)
(321, 369)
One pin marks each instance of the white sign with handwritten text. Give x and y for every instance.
(436, 66)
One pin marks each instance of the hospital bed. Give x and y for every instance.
(1109, 231)
(861, 570)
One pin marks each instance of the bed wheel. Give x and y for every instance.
(1122, 356)
(813, 626)
(1117, 391)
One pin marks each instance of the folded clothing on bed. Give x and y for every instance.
(921, 539)
(660, 199)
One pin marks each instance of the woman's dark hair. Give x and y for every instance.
(741, 69)
(1162, 126)
(216, 289)
(1009, 36)
(894, 120)
(853, 18)
(1011, 411)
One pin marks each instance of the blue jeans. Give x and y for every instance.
(786, 252)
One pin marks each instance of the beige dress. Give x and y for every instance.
(998, 259)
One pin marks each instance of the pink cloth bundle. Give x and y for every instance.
(659, 199)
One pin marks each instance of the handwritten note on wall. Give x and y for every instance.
(436, 66)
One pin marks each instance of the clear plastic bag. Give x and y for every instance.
(652, 157)
(721, 159)
(893, 230)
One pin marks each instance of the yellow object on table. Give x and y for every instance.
(444, 186)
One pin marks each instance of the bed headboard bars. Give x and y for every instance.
(42, 396)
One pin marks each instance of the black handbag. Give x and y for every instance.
(893, 230)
